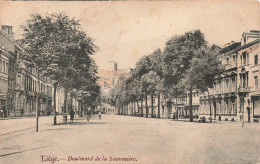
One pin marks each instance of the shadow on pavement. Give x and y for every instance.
(2, 155)
(207, 122)
(59, 129)
(83, 123)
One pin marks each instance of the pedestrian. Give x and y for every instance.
(5, 113)
(87, 117)
(22, 112)
(72, 113)
(99, 115)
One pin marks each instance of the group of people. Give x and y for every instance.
(72, 115)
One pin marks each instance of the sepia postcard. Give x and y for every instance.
(136, 82)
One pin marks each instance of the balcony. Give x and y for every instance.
(19, 88)
(244, 89)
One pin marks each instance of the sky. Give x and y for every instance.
(125, 31)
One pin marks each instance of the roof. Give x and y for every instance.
(231, 47)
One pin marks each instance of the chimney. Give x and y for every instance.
(7, 29)
(115, 66)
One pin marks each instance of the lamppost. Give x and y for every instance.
(36, 108)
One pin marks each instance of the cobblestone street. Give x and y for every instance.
(146, 140)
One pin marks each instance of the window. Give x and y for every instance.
(0, 65)
(244, 59)
(32, 85)
(15, 55)
(227, 60)
(6, 67)
(244, 80)
(23, 79)
(1, 86)
(227, 87)
(256, 82)
(256, 59)
(18, 79)
(3, 67)
(234, 60)
(6, 86)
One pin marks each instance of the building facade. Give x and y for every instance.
(6, 69)
(248, 76)
(31, 89)
(236, 91)
(22, 88)
(108, 79)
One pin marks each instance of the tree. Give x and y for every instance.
(150, 83)
(178, 55)
(152, 62)
(204, 68)
(59, 48)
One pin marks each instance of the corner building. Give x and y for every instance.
(236, 91)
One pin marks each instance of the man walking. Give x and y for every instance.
(72, 113)
(99, 115)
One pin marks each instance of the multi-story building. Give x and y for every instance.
(223, 96)
(22, 87)
(4, 60)
(30, 87)
(20, 81)
(109, 78)
(248, 76)
(236, 90)
(7, 75)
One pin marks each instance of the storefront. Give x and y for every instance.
(3, 111)
(256, 106)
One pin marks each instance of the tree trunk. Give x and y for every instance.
(152, 105)
(137, 102)
(177, 111)
(159, 99)
(142, 111)
(210, 112)
(71, 101)
(132, 108)
(81, 110)
(135, 108)
(146, 106)
(65, 101)
(191, 115)
(125, 109)
(54, 103)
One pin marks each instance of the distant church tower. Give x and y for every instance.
(112, 66)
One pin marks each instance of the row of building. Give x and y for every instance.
(21, 84)
(236, 91)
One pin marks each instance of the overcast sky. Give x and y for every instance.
(125, 31)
